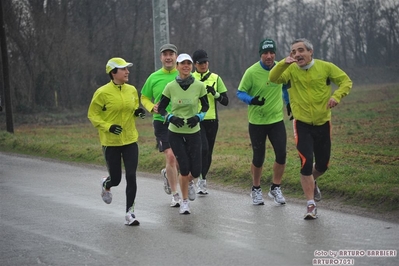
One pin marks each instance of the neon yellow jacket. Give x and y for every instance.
(216, 81)
(310, 89)
(114, 104)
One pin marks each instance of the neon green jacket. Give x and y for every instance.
(115, 104)
(153, 88)
(310, 89)
(184, 103)
(216, 81)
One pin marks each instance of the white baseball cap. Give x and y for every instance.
(183, 57)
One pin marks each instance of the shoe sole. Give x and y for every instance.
(135, 222)
(186, 212)
(260, 203)
(274, 199)
(202, 193)
(175, 206)
(310, 216)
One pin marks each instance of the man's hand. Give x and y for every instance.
(289, 112)
(140, 112)
(177, 121)
(332, 103)
(193, 121)
(289, 60)
(256, 101)
(116, 129)
(155, 108)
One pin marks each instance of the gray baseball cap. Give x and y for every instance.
(168, 46)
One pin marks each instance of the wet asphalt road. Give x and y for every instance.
(51, 213)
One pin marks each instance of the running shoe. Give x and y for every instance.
(311, 212)
(185, 207)
(176, 200)
(191, 191)
(166, 185)
(201, 187)
(106, 195)
(257, 198)
(317, 193)
(277, 195)
(130, 219)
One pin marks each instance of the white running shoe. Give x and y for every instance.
(130, 219)
(277, 195)
(311, 212)
(176, 200)
(185, 207)
(106, 195)
(191, 191)
(257, 198)
(201, 187)
(166, 185)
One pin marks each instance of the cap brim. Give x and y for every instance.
(168, 49)
(202, 60)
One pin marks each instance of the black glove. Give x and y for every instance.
(116, 129)
(211, 90)
(256, 101)
(177, 121)
(289, 112)
(140, 112)
(193, 121)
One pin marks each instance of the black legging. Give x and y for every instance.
(278, 138)
(209, 129)
(187, 149)
(313, 140)
(113, 158)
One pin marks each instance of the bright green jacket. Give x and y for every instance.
(310, 89)
(153, 88)
(115, 104)
(216, 81)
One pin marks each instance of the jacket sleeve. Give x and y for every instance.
(146, 102)
(277, 74)
(245, 97)
(342, 80)
(94, 113)
(163, 103)
(221, 88)
(204, 103)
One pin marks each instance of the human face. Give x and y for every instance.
(268, 58)
(121, 76)
(184, 68)
(202, 67)
(301, 54)
(168, 59)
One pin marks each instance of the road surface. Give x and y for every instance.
(52, 214)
